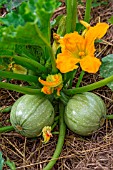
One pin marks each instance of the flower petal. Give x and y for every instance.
(85, 24)
(47, 90)
(95, 32)
(90, 64)
(59, 89)
(71, 42)
(66, 62)
(46, 133)
(52, 80)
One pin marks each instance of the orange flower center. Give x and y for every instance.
(81, 54)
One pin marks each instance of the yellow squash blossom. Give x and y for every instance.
(16, 68)
(80, 49)
(53, 82)
(46, 133)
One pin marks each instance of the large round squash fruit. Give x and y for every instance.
(85, 113)
(30, 113)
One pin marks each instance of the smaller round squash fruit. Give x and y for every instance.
(85, 113)
(30, 114)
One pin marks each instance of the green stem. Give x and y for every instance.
(69, 16)
(54, 125)
(68, 78)
(6, 129)
(55, 133)
(90, 87)
(56, 118)
(80, 78)
(109, 116)
(27, 60)
(64, 98)
(74, 15)
(6, 109)
(47, 42)
(24, 90)
(28, 78)
(88, 10)
(72, 77)
(54, 69)
(60, 139)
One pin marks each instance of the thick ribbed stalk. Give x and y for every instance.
(69, 16)
(24, 90)
(52, 57)
(74, 15)
(90, 87)
(28, 78)
(27, 60)
(64, 98)
(60, 139)
(6, 129)
(88, 10)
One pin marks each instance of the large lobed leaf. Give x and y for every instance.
(29, 24)
(11, 4)
(106, 68)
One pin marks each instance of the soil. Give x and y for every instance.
(78, 153)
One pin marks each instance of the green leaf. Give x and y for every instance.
(62, 26)
(29, 24)
(2, 2)
(11, 4)
(11, 164)
(6, 49)
(56, 21)
(110, 20)
(30, 51)
(1, 161)
(106, 68)
(23, 35)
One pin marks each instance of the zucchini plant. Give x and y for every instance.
(48, 67)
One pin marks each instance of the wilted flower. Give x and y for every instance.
(46, 133)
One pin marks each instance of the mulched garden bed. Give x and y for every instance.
(79, 153)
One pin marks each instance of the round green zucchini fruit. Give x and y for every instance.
(85, 113)
(30, 113)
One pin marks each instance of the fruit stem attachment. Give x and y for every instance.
(61, 138)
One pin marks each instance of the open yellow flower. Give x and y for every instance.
(80, 49)
(53, 82)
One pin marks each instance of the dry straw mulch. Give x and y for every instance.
(79, 153)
